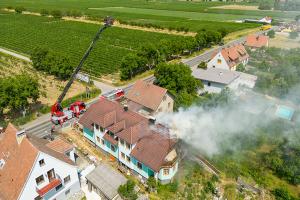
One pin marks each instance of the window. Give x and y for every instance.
(112, 147)
(58, 187)
(214, 66)
(97, 126)
(208, 83)
(102, 142)
(39, 179)
(166, 171)
(98, 139)
(122, 142)
(128, 158)
(139, 165)
(101, 129)
(67, 192)
(122, 155)
(67, 179)
(127, 145)
(51, 175)
(68, 154)
(219, 61)
(169, 104)
(42, 162)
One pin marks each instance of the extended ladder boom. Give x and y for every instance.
(107, 23)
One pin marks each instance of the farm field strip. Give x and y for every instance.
(172, 13)
(23, 33)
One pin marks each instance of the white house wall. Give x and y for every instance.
(213, 63)
(166, 105)
(61, 168)
(213, 88)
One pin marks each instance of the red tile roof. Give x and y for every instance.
(110, 139)
(19, 160)
(234, 55)
(54, 183)
(152, 150)
(257, 41)
(146, 94)
(60, 146)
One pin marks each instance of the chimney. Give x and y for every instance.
(20, 135)
(151, 120)
(125, 107)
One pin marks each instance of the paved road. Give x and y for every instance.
(15, 54)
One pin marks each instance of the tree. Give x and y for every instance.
(51, 62)
(265, 5)
(152, 184)
(151, 53)
(178, 79)
(293, 35)
(56, 14)
(241, 68)
(131, 65)
(19, 9)
(282, 194)
(271, 34)
(127, 191)
(202, 65)
(17, 92)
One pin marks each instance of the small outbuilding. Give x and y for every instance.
(105, 181)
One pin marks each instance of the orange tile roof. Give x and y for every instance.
(146, 94)
(234, 54)
(19, 159)
(257, 41)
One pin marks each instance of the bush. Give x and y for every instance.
(57, 14)
(293, 35)
(19, 9)
(9, 7)
(265, 5)
(202, 65)
(44, 12)
(282, 194)
(271, 34)
(241, 68)
(127, 192)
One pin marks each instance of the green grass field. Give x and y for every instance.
(23, 33)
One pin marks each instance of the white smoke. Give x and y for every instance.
(206, 129)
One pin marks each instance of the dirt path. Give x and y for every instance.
(14, 54)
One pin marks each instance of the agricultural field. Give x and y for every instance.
(49, 86)
(23, 33)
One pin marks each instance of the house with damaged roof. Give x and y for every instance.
(229, 58)
(148, 99)
(33, 168)
(138, 144)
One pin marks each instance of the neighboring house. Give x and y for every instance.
(132, 139)
(215, 80)
(105, 181)
(257, 41)
(148, 99)
(229, 58)
(33, 168)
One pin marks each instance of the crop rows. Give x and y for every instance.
(23, 33)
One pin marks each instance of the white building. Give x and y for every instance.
(34, 168)
(214, 79)
(229, 58)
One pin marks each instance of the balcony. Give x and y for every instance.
(49, 190)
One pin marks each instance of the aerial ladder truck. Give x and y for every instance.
(60, 115)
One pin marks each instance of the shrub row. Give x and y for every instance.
(149, 55)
